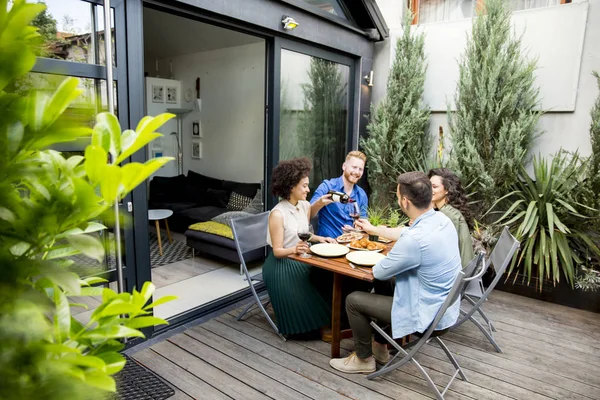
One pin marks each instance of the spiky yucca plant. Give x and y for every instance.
(398, 132)
(497, 106)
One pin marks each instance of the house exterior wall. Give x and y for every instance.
(563, 38)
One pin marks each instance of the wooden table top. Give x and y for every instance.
(340, 265)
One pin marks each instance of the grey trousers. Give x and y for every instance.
(362, 308)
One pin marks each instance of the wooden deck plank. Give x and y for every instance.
(207, 373)
(265, 359)
(184, 381)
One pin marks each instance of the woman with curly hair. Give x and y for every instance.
(450, 199)
(299, 308)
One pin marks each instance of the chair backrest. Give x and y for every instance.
(501, 256)
(250, 233)
(474, 270)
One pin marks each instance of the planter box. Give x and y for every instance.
(562, 293)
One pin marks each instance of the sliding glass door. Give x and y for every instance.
(313, 99)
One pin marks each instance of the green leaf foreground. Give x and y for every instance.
(53, 208)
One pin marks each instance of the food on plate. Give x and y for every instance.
(365, 244)
(349, 236)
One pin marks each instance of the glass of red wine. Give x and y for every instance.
(305, 235)
(355, 214)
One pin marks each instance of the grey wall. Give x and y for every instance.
(564, 39)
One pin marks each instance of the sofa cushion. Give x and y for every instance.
(175, 207)
(256, 206)
(168, 189)
(213, 227)
(237, 202)
(216, 198)
(203, 182)
(201, 214)
(246, 189)
(192, 236)
(225, 218)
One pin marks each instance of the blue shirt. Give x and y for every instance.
(335, 215)
(425, 261)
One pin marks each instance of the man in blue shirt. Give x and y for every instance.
(425, 261)
(334, 216)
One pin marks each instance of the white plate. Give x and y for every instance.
(361, 249)
(366, 258)
(329, 249)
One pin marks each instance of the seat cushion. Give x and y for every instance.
(201, 214)
(175, 207)
(213, 227)
(194, 238)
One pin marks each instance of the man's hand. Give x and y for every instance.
(365, 225)
(328, 240)
(347, 228)
(325, 200)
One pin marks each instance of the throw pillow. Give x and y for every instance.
(238, 202)
(225, 218)
(214, 228)
(217, 198)
(256, 206)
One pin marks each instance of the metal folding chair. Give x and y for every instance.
(416, 345)
(500, 257)
(250, 233)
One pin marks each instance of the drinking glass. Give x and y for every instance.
(355, 214)
(304, 235)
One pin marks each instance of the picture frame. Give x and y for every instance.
(196, 149)
(158, 94)
(196, 130)
(171, 94)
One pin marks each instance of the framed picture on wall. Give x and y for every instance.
(196, 149)
(158, 94)
(171, 94)
(196, 132)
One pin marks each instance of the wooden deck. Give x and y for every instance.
(550, 352)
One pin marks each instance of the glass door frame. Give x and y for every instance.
(274, 97)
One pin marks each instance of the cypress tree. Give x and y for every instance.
(399, 138)
(497, 106)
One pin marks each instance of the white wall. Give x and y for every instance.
(565, 39)
(233, 110)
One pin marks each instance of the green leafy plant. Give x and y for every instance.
(376, 215)
(594, 163)
(496, 107)
(546, 217)
(399, 139)
(50, 210)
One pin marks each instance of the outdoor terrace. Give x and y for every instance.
(550, 352)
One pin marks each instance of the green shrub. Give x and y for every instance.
(50, 208)
(548, 220)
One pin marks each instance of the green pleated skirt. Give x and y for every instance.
(298, 306)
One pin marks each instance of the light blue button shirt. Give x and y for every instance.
(425, 261)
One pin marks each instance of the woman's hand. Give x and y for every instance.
(301, 247)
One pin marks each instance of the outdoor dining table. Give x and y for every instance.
(340, 267)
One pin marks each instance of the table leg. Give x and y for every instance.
(168, 231)
(158, 234)
(336, 313)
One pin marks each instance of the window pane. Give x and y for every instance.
(73, 30)
(330, 6)
(314, 113)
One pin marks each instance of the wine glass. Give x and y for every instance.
(305, 235)
(355, 214)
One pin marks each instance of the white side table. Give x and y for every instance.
(157, 215)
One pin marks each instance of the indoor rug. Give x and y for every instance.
(172, 252)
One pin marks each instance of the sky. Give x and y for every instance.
(78, 11)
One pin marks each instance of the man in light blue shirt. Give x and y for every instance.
(425, 262)
(334, 216)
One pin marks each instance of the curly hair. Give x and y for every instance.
(456, 194)
(288, 174)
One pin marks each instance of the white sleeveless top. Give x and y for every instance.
(294, 219)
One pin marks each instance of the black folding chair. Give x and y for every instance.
(250, 233)
(500, 257)
(430, 332)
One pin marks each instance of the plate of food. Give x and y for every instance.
(349, 236)
(365, 244)
(364, 258)
(384, 240)
(329, 249)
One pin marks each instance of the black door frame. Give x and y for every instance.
(138, 245)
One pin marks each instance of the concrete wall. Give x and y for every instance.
(563, 38)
